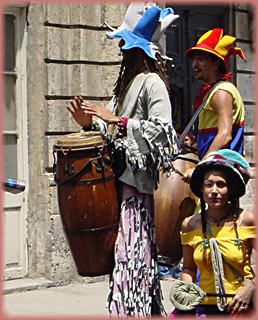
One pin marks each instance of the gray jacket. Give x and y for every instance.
(150, 137)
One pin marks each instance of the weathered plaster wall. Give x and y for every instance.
(245, 81)
(68, 54)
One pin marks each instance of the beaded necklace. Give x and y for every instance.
(217, 221)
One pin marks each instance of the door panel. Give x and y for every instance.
(15, 148)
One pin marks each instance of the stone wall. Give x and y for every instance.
(68, 55)
(245, 81)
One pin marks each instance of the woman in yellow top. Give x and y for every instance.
(219, 181)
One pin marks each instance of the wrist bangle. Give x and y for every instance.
(93, 127)
(250, 281)
(122, 123)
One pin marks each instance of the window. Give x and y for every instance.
(10, 118)
(14, 75)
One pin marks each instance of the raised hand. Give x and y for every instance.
(100, 111)
(78, 112)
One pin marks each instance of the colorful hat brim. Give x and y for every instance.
(201, 47)
(134, 41)
(197, 177)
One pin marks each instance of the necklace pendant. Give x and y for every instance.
(217, 221)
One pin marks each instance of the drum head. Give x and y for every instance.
(79, 140)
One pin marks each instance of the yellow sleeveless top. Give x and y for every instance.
(208, 118)
(208, 124)
(233, 254)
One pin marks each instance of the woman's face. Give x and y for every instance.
(215, 189)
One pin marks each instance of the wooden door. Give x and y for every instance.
(192, 23)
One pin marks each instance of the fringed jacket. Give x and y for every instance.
(150, 138)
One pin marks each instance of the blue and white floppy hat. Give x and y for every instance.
(229, 161)
(143, 27)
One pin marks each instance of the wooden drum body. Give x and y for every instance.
(87, 201)
(174, 201)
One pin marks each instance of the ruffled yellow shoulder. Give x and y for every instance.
(194, 237)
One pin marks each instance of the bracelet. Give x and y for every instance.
(250, 281)
(122, 123)
(93, 127)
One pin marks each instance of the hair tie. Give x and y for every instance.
(205, 243)
(237, 242)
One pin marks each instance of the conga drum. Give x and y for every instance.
(87, 201)
(173, 201)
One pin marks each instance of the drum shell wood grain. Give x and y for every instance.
(174, 201)
(88, 207)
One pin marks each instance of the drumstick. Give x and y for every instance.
(219, 294)
(186, 158)
(179, 172)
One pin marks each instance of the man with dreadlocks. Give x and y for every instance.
(140, 115)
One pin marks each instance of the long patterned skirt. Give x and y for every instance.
(134, 284)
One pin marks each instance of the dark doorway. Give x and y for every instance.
(192, 23)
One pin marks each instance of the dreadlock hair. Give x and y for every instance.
(128, 70)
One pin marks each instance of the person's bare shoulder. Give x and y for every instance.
(248, 218)
(191, 223)
(220, 98)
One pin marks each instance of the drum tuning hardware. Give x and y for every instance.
(97, 151)
(100, 166)
(69, 169)
(65, 151)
